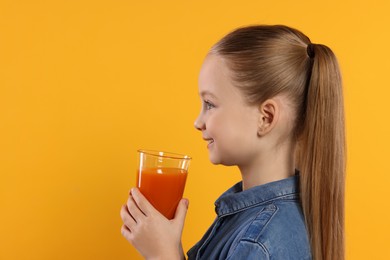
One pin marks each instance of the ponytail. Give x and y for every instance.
(321, 156)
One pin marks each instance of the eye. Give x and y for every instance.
(207, 105)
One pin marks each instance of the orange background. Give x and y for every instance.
(84, 84)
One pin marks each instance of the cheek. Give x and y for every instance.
(235, 126)
(213, 121)
(212, 127)
(224, 130)
(244, 130)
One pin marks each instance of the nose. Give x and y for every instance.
(199, 123)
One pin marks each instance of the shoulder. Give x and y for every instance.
(278, 232)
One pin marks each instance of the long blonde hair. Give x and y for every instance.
(267, 60)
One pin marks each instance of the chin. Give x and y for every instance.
(217, 160)
(214, 159)
(222, 161)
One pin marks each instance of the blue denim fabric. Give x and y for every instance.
(264, 222)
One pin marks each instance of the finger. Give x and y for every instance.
(134, 210)
(126, 233)
(181, 212)
(128, 220)
(142, 202)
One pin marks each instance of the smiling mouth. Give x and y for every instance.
(210, 142)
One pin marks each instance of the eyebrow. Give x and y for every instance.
(207, 93)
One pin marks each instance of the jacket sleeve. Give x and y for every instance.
(249, 250)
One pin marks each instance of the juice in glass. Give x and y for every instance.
(163, 187)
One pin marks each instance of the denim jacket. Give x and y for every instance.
(263, 222)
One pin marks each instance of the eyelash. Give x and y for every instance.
(207, 105)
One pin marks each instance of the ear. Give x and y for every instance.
(268, 116)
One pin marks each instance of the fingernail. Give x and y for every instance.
(186, 202)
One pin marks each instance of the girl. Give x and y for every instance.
(272, 103)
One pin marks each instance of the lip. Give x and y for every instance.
(209, 141)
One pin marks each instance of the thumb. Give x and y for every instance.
(181, 211)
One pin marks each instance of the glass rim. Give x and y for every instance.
(164, 154)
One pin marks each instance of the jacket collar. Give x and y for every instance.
(235, 199)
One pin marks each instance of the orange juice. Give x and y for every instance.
(163, 187)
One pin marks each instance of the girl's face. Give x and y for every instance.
(227, 122)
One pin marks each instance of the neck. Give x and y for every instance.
(268, 167)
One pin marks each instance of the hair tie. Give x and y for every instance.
(310, 50)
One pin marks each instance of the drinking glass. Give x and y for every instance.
(161, 179)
